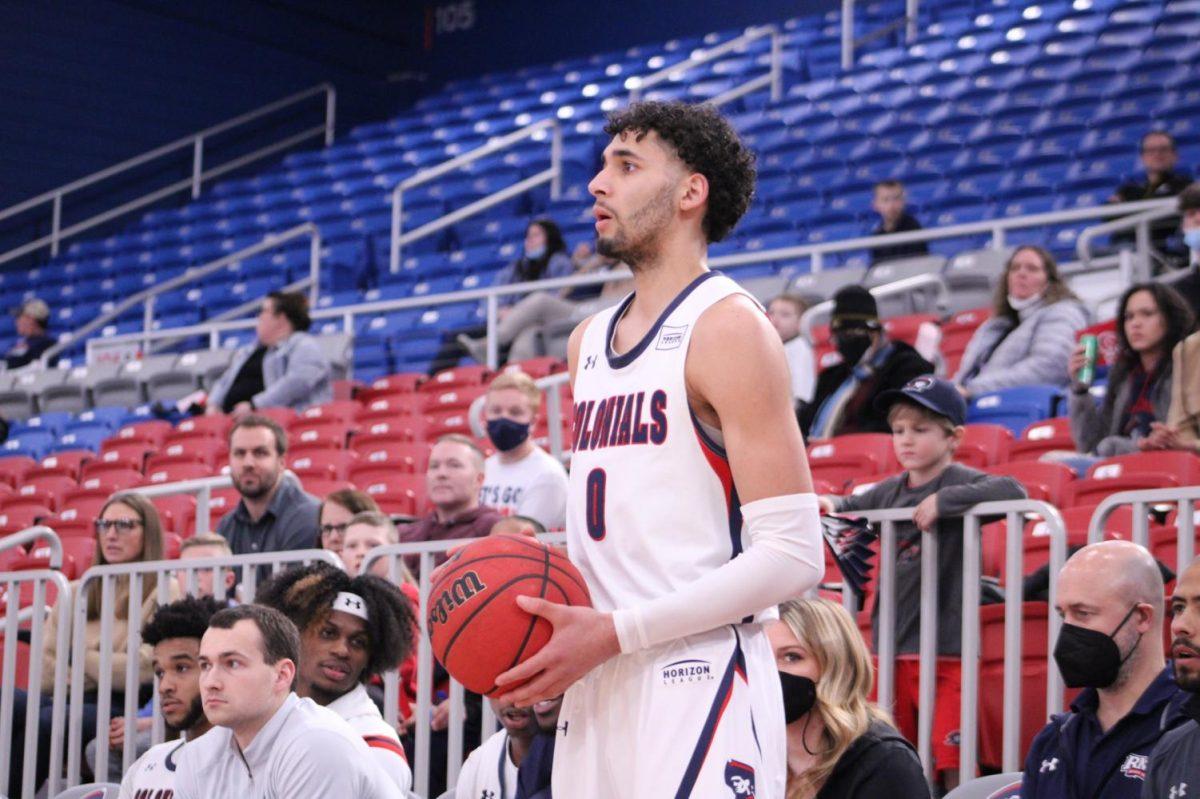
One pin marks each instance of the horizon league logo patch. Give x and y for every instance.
(687, 671)
(671, 337)
(1135, 766)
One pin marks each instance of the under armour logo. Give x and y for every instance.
(487, 794)
(1178, 791)
(562, 727)
(1048, 765)
(356, 603)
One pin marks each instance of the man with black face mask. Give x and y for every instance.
(1110, 598)
(844, 401)
(521, 479)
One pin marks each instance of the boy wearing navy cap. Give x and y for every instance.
(926, 418)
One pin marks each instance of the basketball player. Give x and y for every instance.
(684, 431)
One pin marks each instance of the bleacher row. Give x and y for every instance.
(997, 109)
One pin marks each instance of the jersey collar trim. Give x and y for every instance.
(616, 361)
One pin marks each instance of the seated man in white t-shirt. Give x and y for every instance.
(491, 770)
(784, 312)
(521, 478)
(174, 631)
(265, 740)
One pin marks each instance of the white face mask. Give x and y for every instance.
(1019, 305)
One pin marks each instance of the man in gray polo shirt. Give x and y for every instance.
(275, 514)
(1175, 763)
(267, 742)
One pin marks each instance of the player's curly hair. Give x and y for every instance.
(184, 618)
(708, 144)
(305, 595)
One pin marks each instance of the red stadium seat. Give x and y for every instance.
(14, 467)
(151, 432)
(1108, 346)
(393, 430)
(70, 524)
(46, 489)
(178, 471)
(323, 486)
(346, 389)
(1164, 545)
(211, 452)
(108, 482)
(1041, 437)
(475, 375)
(178, 513)
(13, 520)
(540, 367)
(319, 434)
(843, 458)
(390, 405)
(984, 444)
(171, 545)
(215, 426)
(457, 399)
(335, 411)
(908, 328)
(1140, 470)
(281, 416)
(1044, 481)
(222, 501)
(403, 456)
(67, 463)
(957, 332)
(397, 494)
(404, 383)
(39, 558)
(329, 464)
(441, 424)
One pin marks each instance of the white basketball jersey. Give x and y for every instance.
(652, 506)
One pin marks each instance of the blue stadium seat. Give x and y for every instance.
(1015, 408)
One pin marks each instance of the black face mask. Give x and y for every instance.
(799, 695)
(1089, 658)
(851, 344)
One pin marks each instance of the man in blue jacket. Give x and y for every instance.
(1110, 597)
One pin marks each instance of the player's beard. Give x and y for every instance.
(636, 241)
(194, 714)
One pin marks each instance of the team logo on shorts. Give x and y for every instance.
(740, 778)
(1135, 766)
(685, 671)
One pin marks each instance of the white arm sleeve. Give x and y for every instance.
(783, 561)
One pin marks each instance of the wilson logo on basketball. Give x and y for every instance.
(455, 596)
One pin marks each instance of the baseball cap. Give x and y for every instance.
(935, 393)
(854, 306)
(35, 309)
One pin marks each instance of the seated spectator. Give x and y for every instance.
(274, 513)
(1110, 598)
(844, 401)
(890, 202)
(521, 478)
(517, 525)
(335, 513)
(784, 312)
(1189, 210)
(1181, 431)
(1175, 764)
(453, 481)
(927, 418)
(366, 531)
(266, 741)
(491, 770)
(539, 323)
(534, 773)
(544, 256)
(128, 530)
(1151, 319)
(174, 633)
(352, 629)
(839, 743)
(284, 368)
(206, 545)
(1159, 158)
(1032, 330)
(33, 318)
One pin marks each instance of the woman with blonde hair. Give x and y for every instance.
(839, 744)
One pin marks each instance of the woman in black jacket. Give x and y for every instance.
(839, 743)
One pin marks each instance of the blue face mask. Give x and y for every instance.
(534, 253)
(507, 434)
(1192, 238)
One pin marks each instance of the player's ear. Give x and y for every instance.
(285, 675)
(695, 192)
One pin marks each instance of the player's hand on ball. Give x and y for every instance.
(583, 639)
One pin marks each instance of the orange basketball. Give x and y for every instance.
(477, 630)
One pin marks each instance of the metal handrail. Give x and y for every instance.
(897, 287)
(38, 532)
(1138, 222)
(636, 84)
(815, 252)
(148, 296)
(1141, 499)
(199, 174)
(850, 43)
(553, 176)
